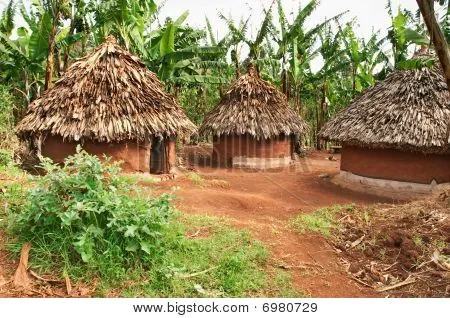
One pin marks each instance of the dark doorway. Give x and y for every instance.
(159, 156)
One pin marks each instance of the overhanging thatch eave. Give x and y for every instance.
(255, 107)
(107, 96)
(409, 110)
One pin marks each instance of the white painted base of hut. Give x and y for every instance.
(261, 163)
(396, 190)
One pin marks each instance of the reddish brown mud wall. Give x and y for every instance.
(227, 147)
(172, 153)
(135, 157)
(396, 165)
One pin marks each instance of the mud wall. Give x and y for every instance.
(396, 165)
(172, 153)
(227, 147)
(135, 157)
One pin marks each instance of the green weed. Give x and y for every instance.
(321, 221)
(196, 178)
(134, 179)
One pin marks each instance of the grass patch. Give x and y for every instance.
(141, 179)
(321, 221)
(226, 263)
(196, 178)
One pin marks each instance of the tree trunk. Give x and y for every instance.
(322, 113)
(238, 72)
(284, 78)
(353, 81)
(58, 62)
(67, 52)
(437, 37)
(51, 52)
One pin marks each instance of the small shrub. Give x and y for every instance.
(6, 158)
(196, 178)
(8, 139)
(85, 212)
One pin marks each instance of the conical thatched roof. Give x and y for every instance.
(409, 110)
(108, 95)
(253, 106)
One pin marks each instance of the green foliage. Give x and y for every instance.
(84, 212)
(197, 179)
(6, 111)
(5, 157)
(210, 260)
(195, 65)
(8, 140)
(416, 63)
(321, 221)
(85, 219)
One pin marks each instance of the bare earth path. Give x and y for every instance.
(265, 202)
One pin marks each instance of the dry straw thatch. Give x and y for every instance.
(253, 106)
(409, 110)
(107, 96)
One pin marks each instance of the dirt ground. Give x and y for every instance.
(265, 202)
(401, 249)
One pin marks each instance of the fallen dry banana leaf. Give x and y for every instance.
(21, 278)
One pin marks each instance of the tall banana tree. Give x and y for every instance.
(296, 45)
(128, 20)
(405, 30)
(363, 56)
(335, 65)
(7, 18)
(56, 10)
(23, 59)
(237, 37)
(437, 36)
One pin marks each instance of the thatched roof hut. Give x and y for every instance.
(253, 106)
(409, 110)
(108, 95)
(396, 135)
(253, 120)
(112, 104)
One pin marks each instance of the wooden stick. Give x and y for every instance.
(360, 281)
(405, 282)
(198, 273)
(47, 280)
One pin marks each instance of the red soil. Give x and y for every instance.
(265, 202)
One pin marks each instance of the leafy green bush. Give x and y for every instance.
(8, 139)
(6, 110)
(6, 158)
(85, 212)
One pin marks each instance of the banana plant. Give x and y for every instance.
(404, 31)
(295, 45)
(7, 18)
(237, 37)
(128, 20)
(364, 57)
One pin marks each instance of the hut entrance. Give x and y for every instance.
(159, 156)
